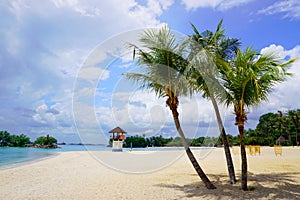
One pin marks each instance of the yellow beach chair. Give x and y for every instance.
(250, 150)
(253, 149)
(278, 149)
(257, 149)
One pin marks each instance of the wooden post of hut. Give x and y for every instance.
(117, 138)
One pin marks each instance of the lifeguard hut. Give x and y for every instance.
(117, 138)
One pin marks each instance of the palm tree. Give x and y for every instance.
(249, 79)
(162, 67)
(203, 79)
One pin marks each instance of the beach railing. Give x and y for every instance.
(278, 149)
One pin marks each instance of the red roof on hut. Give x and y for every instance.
(119, 133)
(281, 139)
(117, 130)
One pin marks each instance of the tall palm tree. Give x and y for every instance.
(203, 79)
(162, 66)
(249, 79)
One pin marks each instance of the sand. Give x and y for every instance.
(152, 175)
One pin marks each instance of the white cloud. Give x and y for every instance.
(194, 4)
(41, 108)
(276, 50)
(123, 10)
(227, 4)
(92, 74)
(217, 4)
(142, 112)
(165, 4)
(87, 125)
(290, 9)
(87, 10)
(18, 7)
(65, 62)
(194, 110)
(120, 12)
(139, 110)
(46, 44)
(54, 116)
(294, 53)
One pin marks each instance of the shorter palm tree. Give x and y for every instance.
(248, 81)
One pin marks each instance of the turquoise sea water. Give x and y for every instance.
(15, 155)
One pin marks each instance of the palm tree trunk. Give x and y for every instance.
(230, 165)
(189, 153)
(243, 157)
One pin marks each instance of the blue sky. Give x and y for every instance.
(61, 64)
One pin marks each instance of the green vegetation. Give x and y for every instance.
(8, 140)
(269, 128)
(273, 125)
(46, 141)
(159, 141)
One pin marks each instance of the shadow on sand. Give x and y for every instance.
(262, 186)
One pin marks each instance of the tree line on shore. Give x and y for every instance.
(270, 127)
(138, 141)
(10, 140)
(273, 126)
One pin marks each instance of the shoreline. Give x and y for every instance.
(78, 175)
(82, 148)
(146, 150)
(27, 162)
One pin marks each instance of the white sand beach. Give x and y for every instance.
(82, 175)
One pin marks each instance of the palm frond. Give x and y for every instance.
(163, 63)
(251, 77)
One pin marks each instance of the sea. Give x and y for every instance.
(15, 156)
